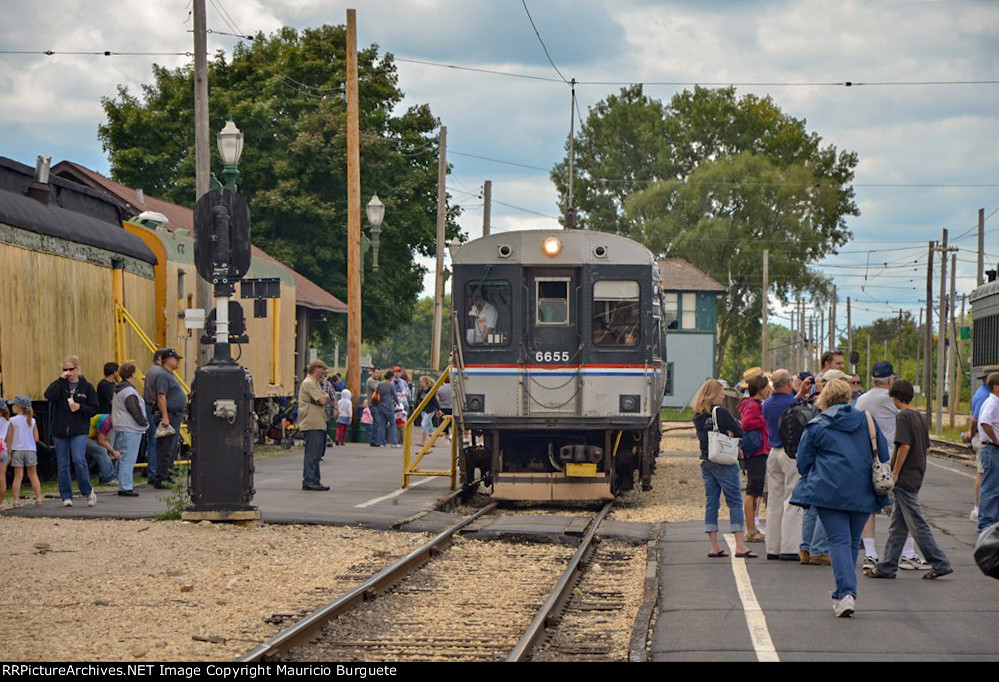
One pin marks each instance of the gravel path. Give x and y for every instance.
(171, 590)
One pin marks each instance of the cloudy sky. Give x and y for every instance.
(924, 122)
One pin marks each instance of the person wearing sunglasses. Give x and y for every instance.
(73, 402)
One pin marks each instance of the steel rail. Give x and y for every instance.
(307, 628)
(548, 613)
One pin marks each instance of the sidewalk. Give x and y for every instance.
(703, 618)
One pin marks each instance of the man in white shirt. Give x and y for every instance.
(988, 429)
(484, 324)
(882, 408)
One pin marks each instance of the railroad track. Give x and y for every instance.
(950, 450)
(481, 601)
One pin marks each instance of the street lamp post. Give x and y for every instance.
(230, 143)
(376, 213)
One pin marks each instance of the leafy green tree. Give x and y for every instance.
(286, 93)
(716, 180)
(409, 345)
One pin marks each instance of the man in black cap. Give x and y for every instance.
(880, 405)
(171, 404)
(149, 398)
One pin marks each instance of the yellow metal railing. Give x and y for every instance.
(122, 318)
(410, 465)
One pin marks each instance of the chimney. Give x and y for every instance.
(40, 190)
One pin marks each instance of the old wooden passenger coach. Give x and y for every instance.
(559, 363)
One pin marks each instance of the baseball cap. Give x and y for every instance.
(397, 368)
(882, 370)
(171, 353)
(22, 401)
(805, 375)
(833, 374)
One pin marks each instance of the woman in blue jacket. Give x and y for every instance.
(835, 461)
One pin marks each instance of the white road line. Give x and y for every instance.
(755, 620)
(398, 492)
(953, 471)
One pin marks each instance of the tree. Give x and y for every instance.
(409, 345)
(716, 180)
(285, 93)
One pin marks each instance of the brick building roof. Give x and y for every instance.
(679, 275)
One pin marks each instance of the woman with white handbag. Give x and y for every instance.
(719, 433)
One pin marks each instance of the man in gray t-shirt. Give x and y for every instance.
(171, 402)
(149, 398)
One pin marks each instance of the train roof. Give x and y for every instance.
(987, 289)
(74, 213)
(578, 246)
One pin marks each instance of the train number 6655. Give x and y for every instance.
(550, 356)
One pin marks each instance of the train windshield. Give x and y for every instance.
(488, 317)
(616, 320)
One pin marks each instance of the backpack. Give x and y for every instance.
(791, 424)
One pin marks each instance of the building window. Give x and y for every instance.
(680, 311)
(616, 320)
(669, 378)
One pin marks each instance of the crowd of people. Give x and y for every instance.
(814, 443)
(102, 425)
(387, 401)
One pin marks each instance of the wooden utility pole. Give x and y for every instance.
(928, 346)
(942, 332)
(354, 263)
(763, 304)
(202, 151)
(849, 338)
(832, 322)
(919, 344)
(487, 206)
(981, 247)
(868, 361)
(811, 335)
(953, 395)
(435, 350)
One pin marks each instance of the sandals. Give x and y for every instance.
(748, 554)
(719, 554)
(933, 575)
(755, 537)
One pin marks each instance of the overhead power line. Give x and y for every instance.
(543, 46)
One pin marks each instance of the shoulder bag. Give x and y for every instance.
(722, 448)
(881, 476)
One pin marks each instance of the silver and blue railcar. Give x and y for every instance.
(559, 363)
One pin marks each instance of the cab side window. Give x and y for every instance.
(616, 318)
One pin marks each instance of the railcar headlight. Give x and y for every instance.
(552, 246)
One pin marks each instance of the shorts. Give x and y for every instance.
(427, 422)
(25, 458)
(756, 474)
(976, 445)
(4, 457)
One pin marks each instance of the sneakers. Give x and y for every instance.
(933, 575)
(870, 563)
(913, 563)
(974, 515)
(92, 500)
(67, 503)
(844, 608)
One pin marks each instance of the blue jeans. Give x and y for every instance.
(315, 448)
(907, 518)
(718, 479)
(385, 428)
(843, 529)
(106, 467)
(73, 449)
(813, 534)
(127, 444)
(988, 493)
(151, 444)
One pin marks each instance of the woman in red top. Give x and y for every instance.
(755, 464)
